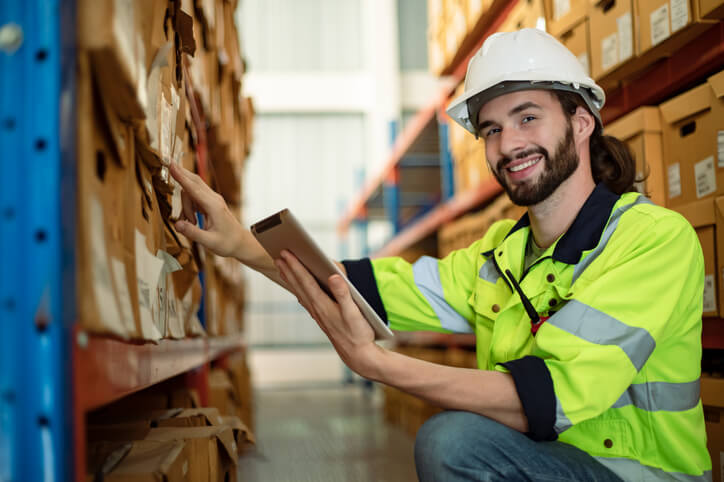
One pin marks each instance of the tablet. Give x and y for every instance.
(282, 231)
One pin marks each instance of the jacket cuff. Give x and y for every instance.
(535, 389)
(360, 273)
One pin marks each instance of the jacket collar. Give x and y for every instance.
(586, 230)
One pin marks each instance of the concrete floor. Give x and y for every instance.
(326, 434)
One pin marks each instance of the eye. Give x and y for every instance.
(528, 118)
(491, 131)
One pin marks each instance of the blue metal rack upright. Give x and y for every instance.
(37, 209)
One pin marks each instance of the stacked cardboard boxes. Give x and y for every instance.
(138, 278)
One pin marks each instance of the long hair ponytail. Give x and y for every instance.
(611, 160)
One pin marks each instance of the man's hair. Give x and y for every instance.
(611, 160)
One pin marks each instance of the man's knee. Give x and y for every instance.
(452, 443)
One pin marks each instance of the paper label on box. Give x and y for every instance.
(167, 131)
(153, 92)
(625, 36)
(124, 32)
(148, 271)
(679, 14)
(720, 148)
(583, 59)
(660, 24)
(709, 294)
(101, 276)
(124, 296)
(705, 176)
(674, 175)
(560, 8)
(609, 51)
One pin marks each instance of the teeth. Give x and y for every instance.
(525, 165)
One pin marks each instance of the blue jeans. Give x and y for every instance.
(463, 446)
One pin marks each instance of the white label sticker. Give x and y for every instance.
(583, 59)
(560, 8)
(709, 294)
(609, 51)
(679, 14)
(625, 36)
(148, 270)
(705, 176)
(124, 296)
(674, 176)
(660, 24)
(720, 148)
(124, 33)
(101, 276)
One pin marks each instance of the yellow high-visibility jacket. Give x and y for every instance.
(614, 365)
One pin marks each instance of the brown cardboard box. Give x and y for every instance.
(665, 26)
(641, 130)
(141, 461)
(222, 394)
(702, 216)
(711, 9)
(212, 450)
(563, 15)
(712, 397)
(104, 176)
(693, 142)
(526, 14)
(612, 28)
(577, 40)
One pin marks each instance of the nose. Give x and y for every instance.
(511, 142)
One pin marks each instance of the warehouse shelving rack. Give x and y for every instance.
(51, 372)
(650, 85)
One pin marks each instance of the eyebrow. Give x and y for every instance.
(515, 110)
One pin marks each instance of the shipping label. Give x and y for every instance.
(609, 51)
(124, 296)
(674, 175)
(625, 36)
(709, 294)
(720, 148)
(679, 14)
(660, 24)
(560, 8)
(705, 176)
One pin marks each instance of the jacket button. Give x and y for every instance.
(608, 443)
(495, 308)
(552, 303)
(550, 278)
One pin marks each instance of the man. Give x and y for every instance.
(587, 311)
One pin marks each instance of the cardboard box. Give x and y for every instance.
(212, 450)
(612, 31)
(563, 15)
(105, 151)
(702, 216)
(577, 40)
(526, 14)
(222, 394)
(712, 397)
(140, 461)
(711, 9)
(641, 130)
(694, 143)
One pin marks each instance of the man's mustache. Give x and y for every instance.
(503, 163)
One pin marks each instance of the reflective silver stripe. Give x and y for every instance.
(607, 233)
(488, 271)
(427, 280)
(563, 423)
(629, 469)
(595, 326)
(655, 396)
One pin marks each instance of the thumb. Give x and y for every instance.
(195, 233)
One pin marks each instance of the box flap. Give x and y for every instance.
(643, 119)
(242, 434)
(712, 391)
(686, 104)
(699, 213)
(716, 82)
(224, 436)
(148, 457)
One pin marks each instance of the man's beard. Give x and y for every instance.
(556, 170)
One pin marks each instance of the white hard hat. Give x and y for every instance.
(521, 60)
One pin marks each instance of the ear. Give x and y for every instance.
(583, 124)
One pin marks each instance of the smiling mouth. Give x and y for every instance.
(524, 165)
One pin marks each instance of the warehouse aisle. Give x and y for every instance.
(325, 434)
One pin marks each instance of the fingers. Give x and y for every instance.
(188, 209)
(305, 279)
(341, 293)
(198, 191)
(195, 233)
(295, 287)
